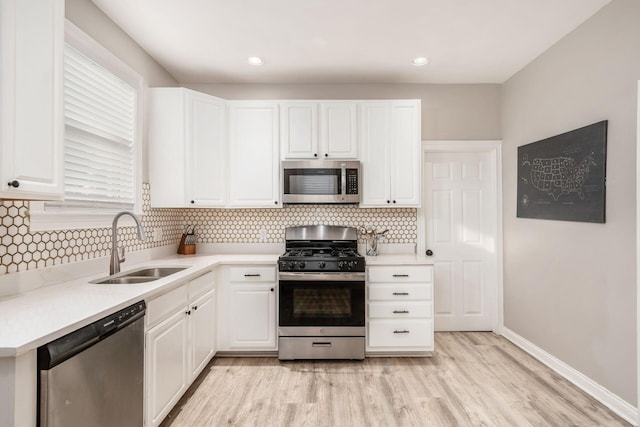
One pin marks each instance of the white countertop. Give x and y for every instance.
(31, 319)
(399, 259)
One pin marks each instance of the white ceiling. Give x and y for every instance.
(346, 41)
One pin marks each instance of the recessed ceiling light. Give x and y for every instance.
(419, 61)
(255, 60)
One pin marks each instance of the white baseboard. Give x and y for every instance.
(618, 405)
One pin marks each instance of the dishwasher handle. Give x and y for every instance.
(61, 349)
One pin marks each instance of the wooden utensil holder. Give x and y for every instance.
(184, 249)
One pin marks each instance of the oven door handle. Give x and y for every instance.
(342, 277)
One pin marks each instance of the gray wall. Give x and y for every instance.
(569, 287)
(95, 23)
(449, 112)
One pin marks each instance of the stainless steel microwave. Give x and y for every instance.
(320, 181)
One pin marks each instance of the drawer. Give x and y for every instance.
(164, 305)
(401, 273)
(392, 334)
(401, 310)
(252, 274)
(202, 284)
(400, 292)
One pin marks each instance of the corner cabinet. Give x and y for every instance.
(31, 96)
(248, 315)
(187, 148)
(399, 309)
(254, 164)
(319, 130)
(179, 342)
(390, 153)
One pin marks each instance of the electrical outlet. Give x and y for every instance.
(263, 235)
(158, 234)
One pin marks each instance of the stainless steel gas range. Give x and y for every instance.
(321, 294)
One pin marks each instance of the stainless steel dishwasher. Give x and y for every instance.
(94, 376)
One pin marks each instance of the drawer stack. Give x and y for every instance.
(399, 309)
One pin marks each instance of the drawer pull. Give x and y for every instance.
(400, 311)
(252, 275)
(401, 293)
(404, 331)
(400, 275)
(321, 344)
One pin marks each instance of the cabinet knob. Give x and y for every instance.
(429, 252)
(192, 202)
(326, 154)
(394, 201)
(188, 312)
(276, 202)
(195, 307)
(14, 183)
(315, 154)
(272, 289)
(388, 201)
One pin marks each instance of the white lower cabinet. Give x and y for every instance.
(179, 341)
(247, 309)
(399, 309)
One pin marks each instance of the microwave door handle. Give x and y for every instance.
(344, 180)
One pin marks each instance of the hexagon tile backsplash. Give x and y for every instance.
(22, 250)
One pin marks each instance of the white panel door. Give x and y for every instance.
(460, 217)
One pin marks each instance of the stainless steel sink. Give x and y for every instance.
(155, 272)
(140, 275)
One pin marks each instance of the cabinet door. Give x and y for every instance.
(31, 110)
(338, 130)
(253, 316)
(203, 332)
(405, 153)
(167, 163)
(299, 130)
(206, 152)
(254, 167)
(166, 367)
(375, 134)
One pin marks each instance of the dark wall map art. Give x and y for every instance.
(563, 177)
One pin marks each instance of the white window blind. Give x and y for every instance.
(100, 132)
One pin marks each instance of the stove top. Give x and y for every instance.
(321, 248)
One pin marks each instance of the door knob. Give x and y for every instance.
(429, 252)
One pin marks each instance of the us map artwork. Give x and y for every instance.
(563, 177)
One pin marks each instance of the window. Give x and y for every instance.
(102, 113)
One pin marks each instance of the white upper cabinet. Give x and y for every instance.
(254, 165)
(187, 148)
(338, 130)
(299, 130)
(390, 153)
(31, 96)
(319, 130)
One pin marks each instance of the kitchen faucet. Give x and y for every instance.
(117, 255)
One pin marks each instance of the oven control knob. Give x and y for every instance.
(302, 264)
(342, 265)
(351, 265)
(292, 265)
(322, 264)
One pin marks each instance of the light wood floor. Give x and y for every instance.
(473, 379)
